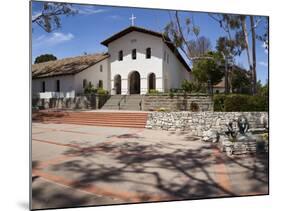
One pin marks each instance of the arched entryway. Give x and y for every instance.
(117, 84)
(134, 82)
(151, 81)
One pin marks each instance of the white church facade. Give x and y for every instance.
(137, 61)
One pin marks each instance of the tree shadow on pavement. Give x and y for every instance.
(193, 166)
(176, 173)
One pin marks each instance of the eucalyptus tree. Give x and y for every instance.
(186, 36)
(49, 17)
(209, 68)
(236, 39)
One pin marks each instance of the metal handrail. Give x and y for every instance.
(123, 97)
(140, 103)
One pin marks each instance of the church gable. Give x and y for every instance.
(165, 39)
(135, 46)
(127, 31)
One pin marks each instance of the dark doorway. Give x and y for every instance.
(151, 81)
(117, 84)
(134, 83)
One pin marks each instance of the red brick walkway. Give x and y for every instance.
(115, 163)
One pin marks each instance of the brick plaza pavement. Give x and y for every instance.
(74, 165)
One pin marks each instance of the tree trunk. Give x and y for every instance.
(226, 88)
(254, 73)
(244, 28)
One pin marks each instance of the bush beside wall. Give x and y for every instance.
(238, 102)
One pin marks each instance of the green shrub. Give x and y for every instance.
(239, 102)
(193, 87)
(171, 94)
(162, 109)
(102, 91)
(260, 103)
(89, 89)
(176, 90)
(187, 86)
(153, 91)
(219, 102)
(194, 107)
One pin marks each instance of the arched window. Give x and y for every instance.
(117, 84)
(148, 53)
(151, 81)
(120, 55)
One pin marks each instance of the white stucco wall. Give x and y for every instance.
(138, 41)
(66, 87)
(174, 72)
(93, 75)
(218, 90)
(73, 84)
(168, 75)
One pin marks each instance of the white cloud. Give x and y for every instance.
(88, 10)
(115, 17)
(53, 39)
(265, 64)
(265, 46)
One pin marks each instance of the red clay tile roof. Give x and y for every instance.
(220, 84)
(67, 66)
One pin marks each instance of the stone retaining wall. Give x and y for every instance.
(199, 122)
(79, 102)
(178, 102)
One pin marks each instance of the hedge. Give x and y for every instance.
(239, 102)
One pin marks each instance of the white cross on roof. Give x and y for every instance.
(133, 19)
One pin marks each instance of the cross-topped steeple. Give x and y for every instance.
(133, 19)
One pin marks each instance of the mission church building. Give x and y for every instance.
(137, 61)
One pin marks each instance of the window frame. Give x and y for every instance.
(134, 54)
(57, 85)
(148, 53)
(84, 83)
(120, 55)
(43, 86)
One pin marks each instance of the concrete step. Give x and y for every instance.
(102, 124)
(96, 122)
(131, 103)
(112, 119)
(134, 119)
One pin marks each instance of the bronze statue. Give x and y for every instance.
(243, 124)
(230, 130)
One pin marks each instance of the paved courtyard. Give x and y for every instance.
(75, 165)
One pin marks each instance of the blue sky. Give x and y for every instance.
(93, 24)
